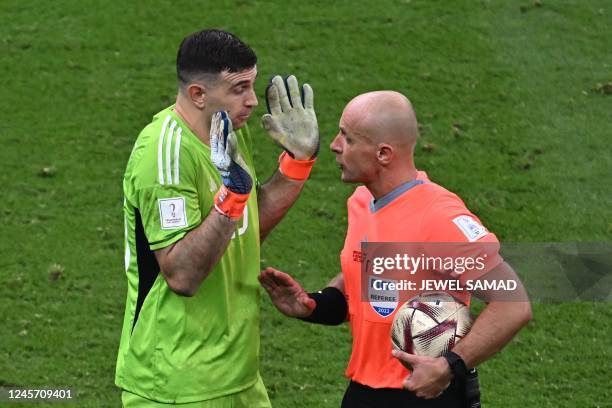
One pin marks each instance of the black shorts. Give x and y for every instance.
(362, 396)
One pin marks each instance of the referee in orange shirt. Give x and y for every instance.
(398, 203)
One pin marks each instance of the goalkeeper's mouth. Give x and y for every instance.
(241, 119)
(243, 116)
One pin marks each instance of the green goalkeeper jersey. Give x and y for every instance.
(174, 348)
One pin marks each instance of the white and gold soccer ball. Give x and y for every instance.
(430, 324)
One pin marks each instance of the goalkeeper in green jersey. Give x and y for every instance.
(195, 216)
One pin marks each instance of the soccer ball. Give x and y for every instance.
(430, 324)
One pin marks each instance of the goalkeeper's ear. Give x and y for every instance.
(197, 95)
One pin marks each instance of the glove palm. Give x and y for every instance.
(291, 120)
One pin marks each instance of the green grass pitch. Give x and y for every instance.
(515, 117)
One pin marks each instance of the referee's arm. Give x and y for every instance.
(327, 306)
(498, 322)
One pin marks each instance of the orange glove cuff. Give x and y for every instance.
(229, 203)
(295, 169)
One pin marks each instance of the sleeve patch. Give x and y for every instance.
(470, 227)
(172, 212)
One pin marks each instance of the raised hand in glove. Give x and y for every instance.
(291, 120)
(237, 183)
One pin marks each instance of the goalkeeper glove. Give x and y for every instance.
(237, 183)
(291, 121)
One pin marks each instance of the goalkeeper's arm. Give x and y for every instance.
(292, 123)
(187, 262)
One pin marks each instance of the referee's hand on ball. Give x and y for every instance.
(430, 376)
(286, 293)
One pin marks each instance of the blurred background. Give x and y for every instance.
(514, 104)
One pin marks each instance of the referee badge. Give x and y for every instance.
(383, 301)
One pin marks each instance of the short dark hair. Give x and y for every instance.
(211, 52)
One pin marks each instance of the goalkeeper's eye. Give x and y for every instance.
(239, 90)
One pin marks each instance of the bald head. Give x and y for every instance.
(375, 142)
(383, 117)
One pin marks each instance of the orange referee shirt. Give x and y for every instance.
(421, 212)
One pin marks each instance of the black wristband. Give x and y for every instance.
(457, 366)
(331, 307)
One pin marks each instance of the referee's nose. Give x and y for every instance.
(336, 144)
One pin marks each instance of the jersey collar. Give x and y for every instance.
(376, 205)
(186, 129)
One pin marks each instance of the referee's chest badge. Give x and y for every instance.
(383, 301)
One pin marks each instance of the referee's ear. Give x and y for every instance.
(384, 154)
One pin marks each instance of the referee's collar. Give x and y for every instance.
(376, 205)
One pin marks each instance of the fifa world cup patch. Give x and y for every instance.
(471, 228)
(172, 212)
